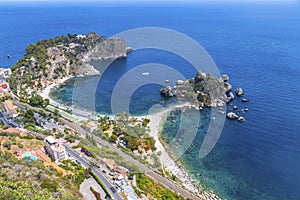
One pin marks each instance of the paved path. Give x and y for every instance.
(86, 191)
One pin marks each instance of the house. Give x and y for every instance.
(91, 126)
(56, 150)
(110, 164)
(10, 110)
(5, 72)
(121, 172)
(20, 131)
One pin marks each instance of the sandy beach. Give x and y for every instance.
(46, 91)
(78, 113)
(156, 122)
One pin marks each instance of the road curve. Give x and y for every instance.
(115, 195)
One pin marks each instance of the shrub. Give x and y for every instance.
(7, 144)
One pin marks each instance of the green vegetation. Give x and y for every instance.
(7, 144)
(149, 187)
(202, 89)
(78, 170)
(145, 122)
(23, 180)
(101, 184)
(107, 153)
(37, 101)
(97, 194)
(48, 60)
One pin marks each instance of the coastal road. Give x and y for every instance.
(115, 195)
(167, 183)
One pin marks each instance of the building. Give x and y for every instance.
(10, 110)
(4, 86)
(5, 72)
(56, 150)
(91, 126)
(110, 164)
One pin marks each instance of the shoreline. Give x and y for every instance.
(157, 119)
(170, 164)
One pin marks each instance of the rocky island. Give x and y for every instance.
(62, 56)
(204, 90)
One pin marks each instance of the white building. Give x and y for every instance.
(54, 149)
(5, 72)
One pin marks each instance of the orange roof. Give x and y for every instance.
(4, 85)
(13, 130)
(10, 107)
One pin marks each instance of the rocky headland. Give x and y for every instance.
(53, 59)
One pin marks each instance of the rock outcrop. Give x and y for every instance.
(167, 91)
(239, 92)
(203, 90)
(232, 115)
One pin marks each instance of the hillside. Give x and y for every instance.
(25, 180)
(69, 55)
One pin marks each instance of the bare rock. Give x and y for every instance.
(239, 92)
(232, 115)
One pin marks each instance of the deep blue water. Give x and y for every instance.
(258, 45)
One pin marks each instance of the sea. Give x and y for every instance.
(257, 44)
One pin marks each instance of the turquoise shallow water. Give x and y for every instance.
(258, 45)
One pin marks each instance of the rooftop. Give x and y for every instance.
(50, 140)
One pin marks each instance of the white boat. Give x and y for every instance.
(146, 73)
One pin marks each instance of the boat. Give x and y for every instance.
(235, 107)
(245, 100)
(222, 112)
(8, 56)
(146, 73)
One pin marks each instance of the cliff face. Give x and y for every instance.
(105, 50)
(55, 58)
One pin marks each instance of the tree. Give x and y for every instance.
(56, 112)
(36, 101)
(132, 142)
(7, 144)
(145, 122)
(113, 138)
(46, 102)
